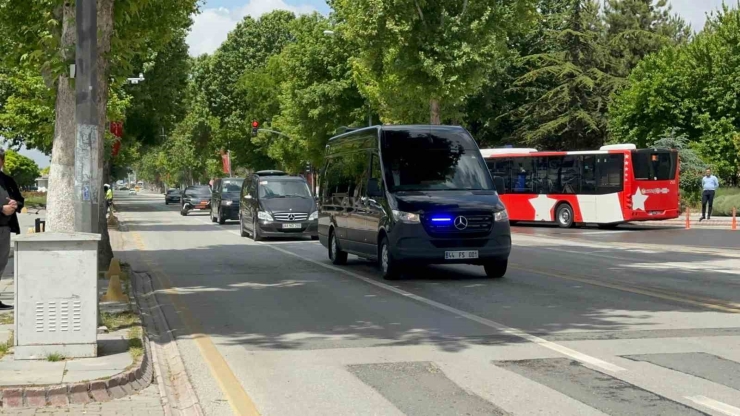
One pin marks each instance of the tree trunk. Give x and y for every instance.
(105, 31)
(60, 214)
(434, 110)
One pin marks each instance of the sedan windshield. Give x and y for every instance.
(283, 189)
(444, 160)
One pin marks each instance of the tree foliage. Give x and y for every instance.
(23, 169)
(693, 89)
(567, 88)
(416, 58)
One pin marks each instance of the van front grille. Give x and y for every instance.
(290, 216)
(477, 224)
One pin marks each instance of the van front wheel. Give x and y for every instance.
(390, 268)
(496, 269)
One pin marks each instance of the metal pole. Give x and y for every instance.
(86, 197)
(369, 117)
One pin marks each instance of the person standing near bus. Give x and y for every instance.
(709, 184)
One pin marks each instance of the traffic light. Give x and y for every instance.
(255, 128)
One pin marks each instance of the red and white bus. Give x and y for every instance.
(607, 187)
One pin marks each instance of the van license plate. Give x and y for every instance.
(461, 255)
(291, 226)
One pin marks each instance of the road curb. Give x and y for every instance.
(118, 386)
(176, 391)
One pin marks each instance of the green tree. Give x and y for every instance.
(490, 115)
(637, 28)
(418, 59)
(23, 169)
(692, 167)
(692, 89)
(568, 87)
(312, 85)
(248, 47)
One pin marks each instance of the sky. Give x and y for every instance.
(219, 17)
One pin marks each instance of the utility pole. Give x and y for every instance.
(87, 192)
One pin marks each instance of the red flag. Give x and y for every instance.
(226, 161)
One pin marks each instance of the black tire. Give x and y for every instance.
(314, 238)
(184, 211)
(220, 218)
(496, 269)
(564, 216)
(166, 202)
(336, 255)
(242, 232)
(210, 214)
(256, 232)
(390, 269)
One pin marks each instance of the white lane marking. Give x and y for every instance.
(578, 356)
(723, 408)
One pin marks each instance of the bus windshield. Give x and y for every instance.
(433, 160)
(654, 165)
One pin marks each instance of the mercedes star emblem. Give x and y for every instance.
(291, 217)
(461, 223)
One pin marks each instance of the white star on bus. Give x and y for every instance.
(542, 207)
(638, 200)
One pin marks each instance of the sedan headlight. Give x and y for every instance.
(502, 215)
(314, 216)
(407, 217)
(264, 216)
(228, 203)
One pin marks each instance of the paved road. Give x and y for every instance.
(582, 324)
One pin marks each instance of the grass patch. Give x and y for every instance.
(6, 318)
(135, 344)
(34, 199)
(116, 321)
(54, 357)
(5, 346)
(725, 200)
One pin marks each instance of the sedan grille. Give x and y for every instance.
(290, 216)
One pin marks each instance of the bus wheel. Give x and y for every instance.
(564, 216)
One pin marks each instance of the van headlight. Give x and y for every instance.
(501, 215)
(314, 216)
(264, 216)
(228, 203)
(407, 217)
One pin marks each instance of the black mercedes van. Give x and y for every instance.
(411, 194)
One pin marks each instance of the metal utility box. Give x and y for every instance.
(56, 295)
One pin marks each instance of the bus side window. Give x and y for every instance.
(609, 169)
(570, 175)
(588, 175)
(521, 175)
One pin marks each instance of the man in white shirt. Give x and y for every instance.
(709, 184)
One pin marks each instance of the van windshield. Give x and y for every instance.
(283, 189)
(433, 160)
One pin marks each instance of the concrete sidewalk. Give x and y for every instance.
(114, 359)
(714, 223)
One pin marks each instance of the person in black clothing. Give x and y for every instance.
(12, 203)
